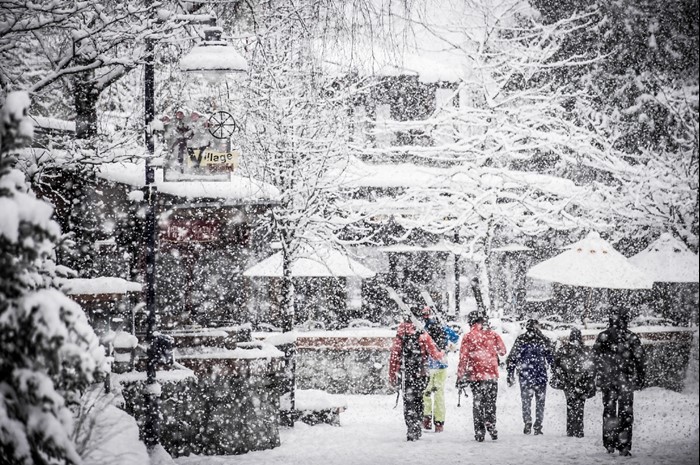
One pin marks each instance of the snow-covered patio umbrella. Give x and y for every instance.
(668, 260)
(316, 263)
(592, 262)
(673, 267)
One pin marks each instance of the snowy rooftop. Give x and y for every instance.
(511, 248)
(42, 122)
(239, 189)
(101, 285)
(387, 175)
(312, 263)
(439, 247)
(250, 350)
(171, 376)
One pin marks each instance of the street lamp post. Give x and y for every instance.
(456, 276)
(151, 425)
(212, 56)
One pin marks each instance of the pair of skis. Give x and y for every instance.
(419, 325)
(393, 295)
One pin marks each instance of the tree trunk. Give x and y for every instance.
(289, 349)
(85, 99)
(457, 296)
(486, 288)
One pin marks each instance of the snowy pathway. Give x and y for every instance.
(373, 433)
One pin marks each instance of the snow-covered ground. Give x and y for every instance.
(372, 432)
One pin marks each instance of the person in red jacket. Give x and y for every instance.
(408, 371)
(478, 367)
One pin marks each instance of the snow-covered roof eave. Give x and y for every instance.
(358, 174)
(99, 286)
(406, 248)
(52, 124)
(326, 263)
(239, 190)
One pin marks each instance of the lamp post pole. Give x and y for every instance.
(233, 62)
(456, 277)
(151, 426)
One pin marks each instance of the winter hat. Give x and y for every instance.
(532, 325)
(619, 318)
(425, 312)
(575, 336)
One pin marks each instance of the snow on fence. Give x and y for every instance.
(667, 351)
(352, 361)
(356, 361)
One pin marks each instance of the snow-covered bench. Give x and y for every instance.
(313, 406)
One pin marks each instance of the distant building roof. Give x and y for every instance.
(54, 124)
(315, 263)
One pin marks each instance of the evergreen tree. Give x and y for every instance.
(48, 351)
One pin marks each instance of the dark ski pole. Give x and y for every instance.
(398, 392)
(459, 396)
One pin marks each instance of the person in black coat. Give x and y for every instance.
(619, 361)
(573, 371)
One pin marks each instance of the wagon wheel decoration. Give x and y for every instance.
(222, 125)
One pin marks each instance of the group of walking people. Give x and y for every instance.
(614, 366)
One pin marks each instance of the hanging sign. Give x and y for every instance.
(208, 157)
(176, 230)
(199, 148)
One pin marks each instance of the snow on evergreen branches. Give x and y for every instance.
(48, 351)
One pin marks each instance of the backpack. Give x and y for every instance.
(413, 366)
(438, 334)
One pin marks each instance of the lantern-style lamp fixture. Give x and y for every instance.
(213, 56)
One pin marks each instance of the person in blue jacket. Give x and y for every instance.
(532, 352)
(434, 394)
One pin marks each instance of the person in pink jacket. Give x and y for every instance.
(408, 371)
(478, 368)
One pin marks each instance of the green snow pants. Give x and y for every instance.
(434, 395)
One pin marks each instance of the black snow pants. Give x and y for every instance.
(527, 392)
(618, 416)
(575, 401)
(413, 406)
(484, 405)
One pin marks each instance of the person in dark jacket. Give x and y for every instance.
(574, 372)
(619, 362)
(408, 371)
(531, 354)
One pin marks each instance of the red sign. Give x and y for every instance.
(190, 231)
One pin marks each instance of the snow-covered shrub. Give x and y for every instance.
(106, 435)
(48, 351)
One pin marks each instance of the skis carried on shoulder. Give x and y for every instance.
(431, 303)
(393, 295)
